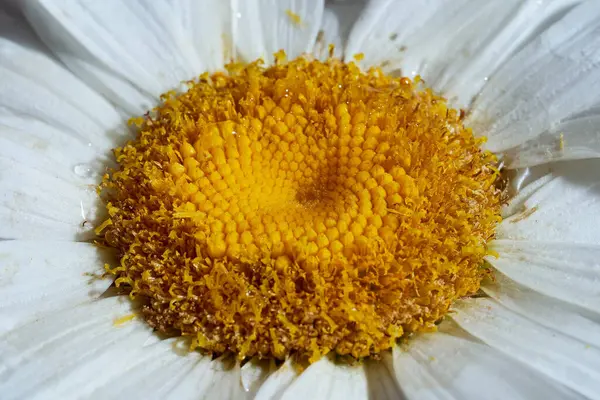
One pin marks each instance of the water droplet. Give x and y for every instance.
(89, 144)
(238, 15)
(84, 171)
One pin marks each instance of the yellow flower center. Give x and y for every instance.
(304, 208)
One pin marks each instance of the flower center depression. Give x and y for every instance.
(304, 208)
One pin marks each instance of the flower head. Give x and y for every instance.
(304, 208)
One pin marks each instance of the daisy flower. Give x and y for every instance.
(299, 199)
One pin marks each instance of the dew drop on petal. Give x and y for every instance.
(84, 171)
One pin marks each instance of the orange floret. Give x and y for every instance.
(303, 208)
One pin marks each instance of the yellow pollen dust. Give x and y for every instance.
(294, 18)
(304, 208)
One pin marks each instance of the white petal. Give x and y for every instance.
(221, 379)
(571, 362)
(517, 203)
(37, 278)
(263, 27)
(55, 133)
(325, 379)
(545, 310)
(456, 366)
(204, 34)
(128, 50)
(382, 381)
(48, 149)
(554, 77)
(161, 371)
(70, 351)
(563, 209)
(470, 40)
(583, 135)
(36, 87)
(36, 204)
(278, 381)
(347, 13)
(569, 272)
(153, 373)
(328, 34)
(254, 373)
